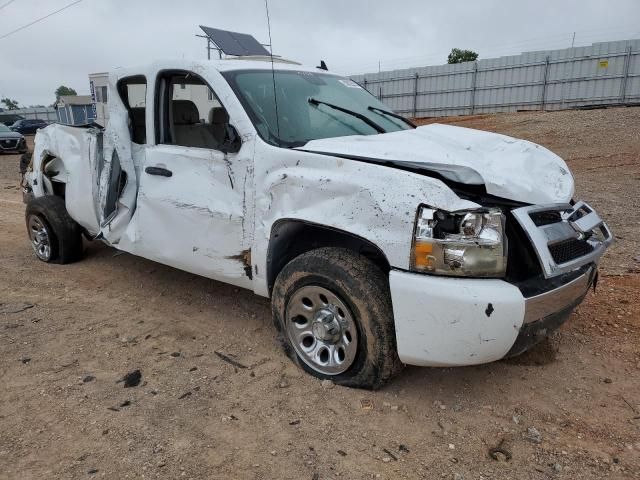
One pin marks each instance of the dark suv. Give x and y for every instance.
(27, 126)
(11, 142)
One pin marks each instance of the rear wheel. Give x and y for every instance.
(55, 237)
(332, 309)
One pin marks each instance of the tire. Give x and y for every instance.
(333, 298)
(54, 235)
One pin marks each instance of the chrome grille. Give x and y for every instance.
(567, 250)
(564, 237)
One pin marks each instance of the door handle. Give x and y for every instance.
(163, 172)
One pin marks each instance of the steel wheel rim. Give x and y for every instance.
(40, 238)
(321, 329)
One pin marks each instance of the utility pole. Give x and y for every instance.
(573, 39)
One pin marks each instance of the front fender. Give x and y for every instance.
(374, 202)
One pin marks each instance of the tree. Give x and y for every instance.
(63, 91)
(10, 104)
(458, 56)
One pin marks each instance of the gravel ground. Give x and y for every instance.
(568, 409)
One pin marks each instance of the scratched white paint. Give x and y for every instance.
(373, 202)
(216, 208)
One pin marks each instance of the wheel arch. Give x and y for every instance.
(292, 237)
(52, 172)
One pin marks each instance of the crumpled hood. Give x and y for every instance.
(509, 168)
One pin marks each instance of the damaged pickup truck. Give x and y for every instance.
(378, 243)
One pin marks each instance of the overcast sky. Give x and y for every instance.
(352, 36)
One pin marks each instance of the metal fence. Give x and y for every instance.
(42, 113)
(601, 74)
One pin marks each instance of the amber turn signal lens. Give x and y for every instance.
(422, 255)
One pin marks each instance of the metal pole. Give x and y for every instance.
(415, 97)
(623, 86)
(473, 87)
(208, 45)
(544, 83)
(380, 93)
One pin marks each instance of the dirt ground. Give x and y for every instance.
(568, 409)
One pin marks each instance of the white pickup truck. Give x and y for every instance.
(378, 243)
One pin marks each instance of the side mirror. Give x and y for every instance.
(232, 142)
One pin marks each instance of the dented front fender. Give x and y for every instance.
(370, 201)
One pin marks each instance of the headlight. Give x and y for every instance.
(465, 243)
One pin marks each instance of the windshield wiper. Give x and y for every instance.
(394, 115)
(360, 116)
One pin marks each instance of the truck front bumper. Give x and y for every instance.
(444, 321)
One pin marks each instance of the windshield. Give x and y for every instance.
(4, 128)
(307, 104)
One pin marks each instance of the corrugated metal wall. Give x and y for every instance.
(603, 73)
(43, 113)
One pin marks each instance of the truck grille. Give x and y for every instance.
(564, 237)
(567, 250)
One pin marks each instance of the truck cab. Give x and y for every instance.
(379, 243)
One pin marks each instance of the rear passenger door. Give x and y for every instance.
(190, 209)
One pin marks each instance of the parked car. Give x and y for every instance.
(9, 119)
(378, 243)
(28, 126)
(10, 141)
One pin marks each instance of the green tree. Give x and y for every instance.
(10, 104)
(458, 56)
(63, 91)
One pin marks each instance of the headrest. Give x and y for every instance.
(218, 116)
(185, 112)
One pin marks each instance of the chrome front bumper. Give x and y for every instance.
(568, 295)
(546, 312)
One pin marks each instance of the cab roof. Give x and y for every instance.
(223, 65)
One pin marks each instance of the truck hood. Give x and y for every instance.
(508, 168)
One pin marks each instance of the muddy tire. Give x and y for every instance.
(332, 310)
(54, 235)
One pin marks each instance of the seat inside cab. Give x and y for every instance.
(197, 118)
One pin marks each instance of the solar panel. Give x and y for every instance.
(233, 43)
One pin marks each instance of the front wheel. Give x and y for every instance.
(332, 309)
